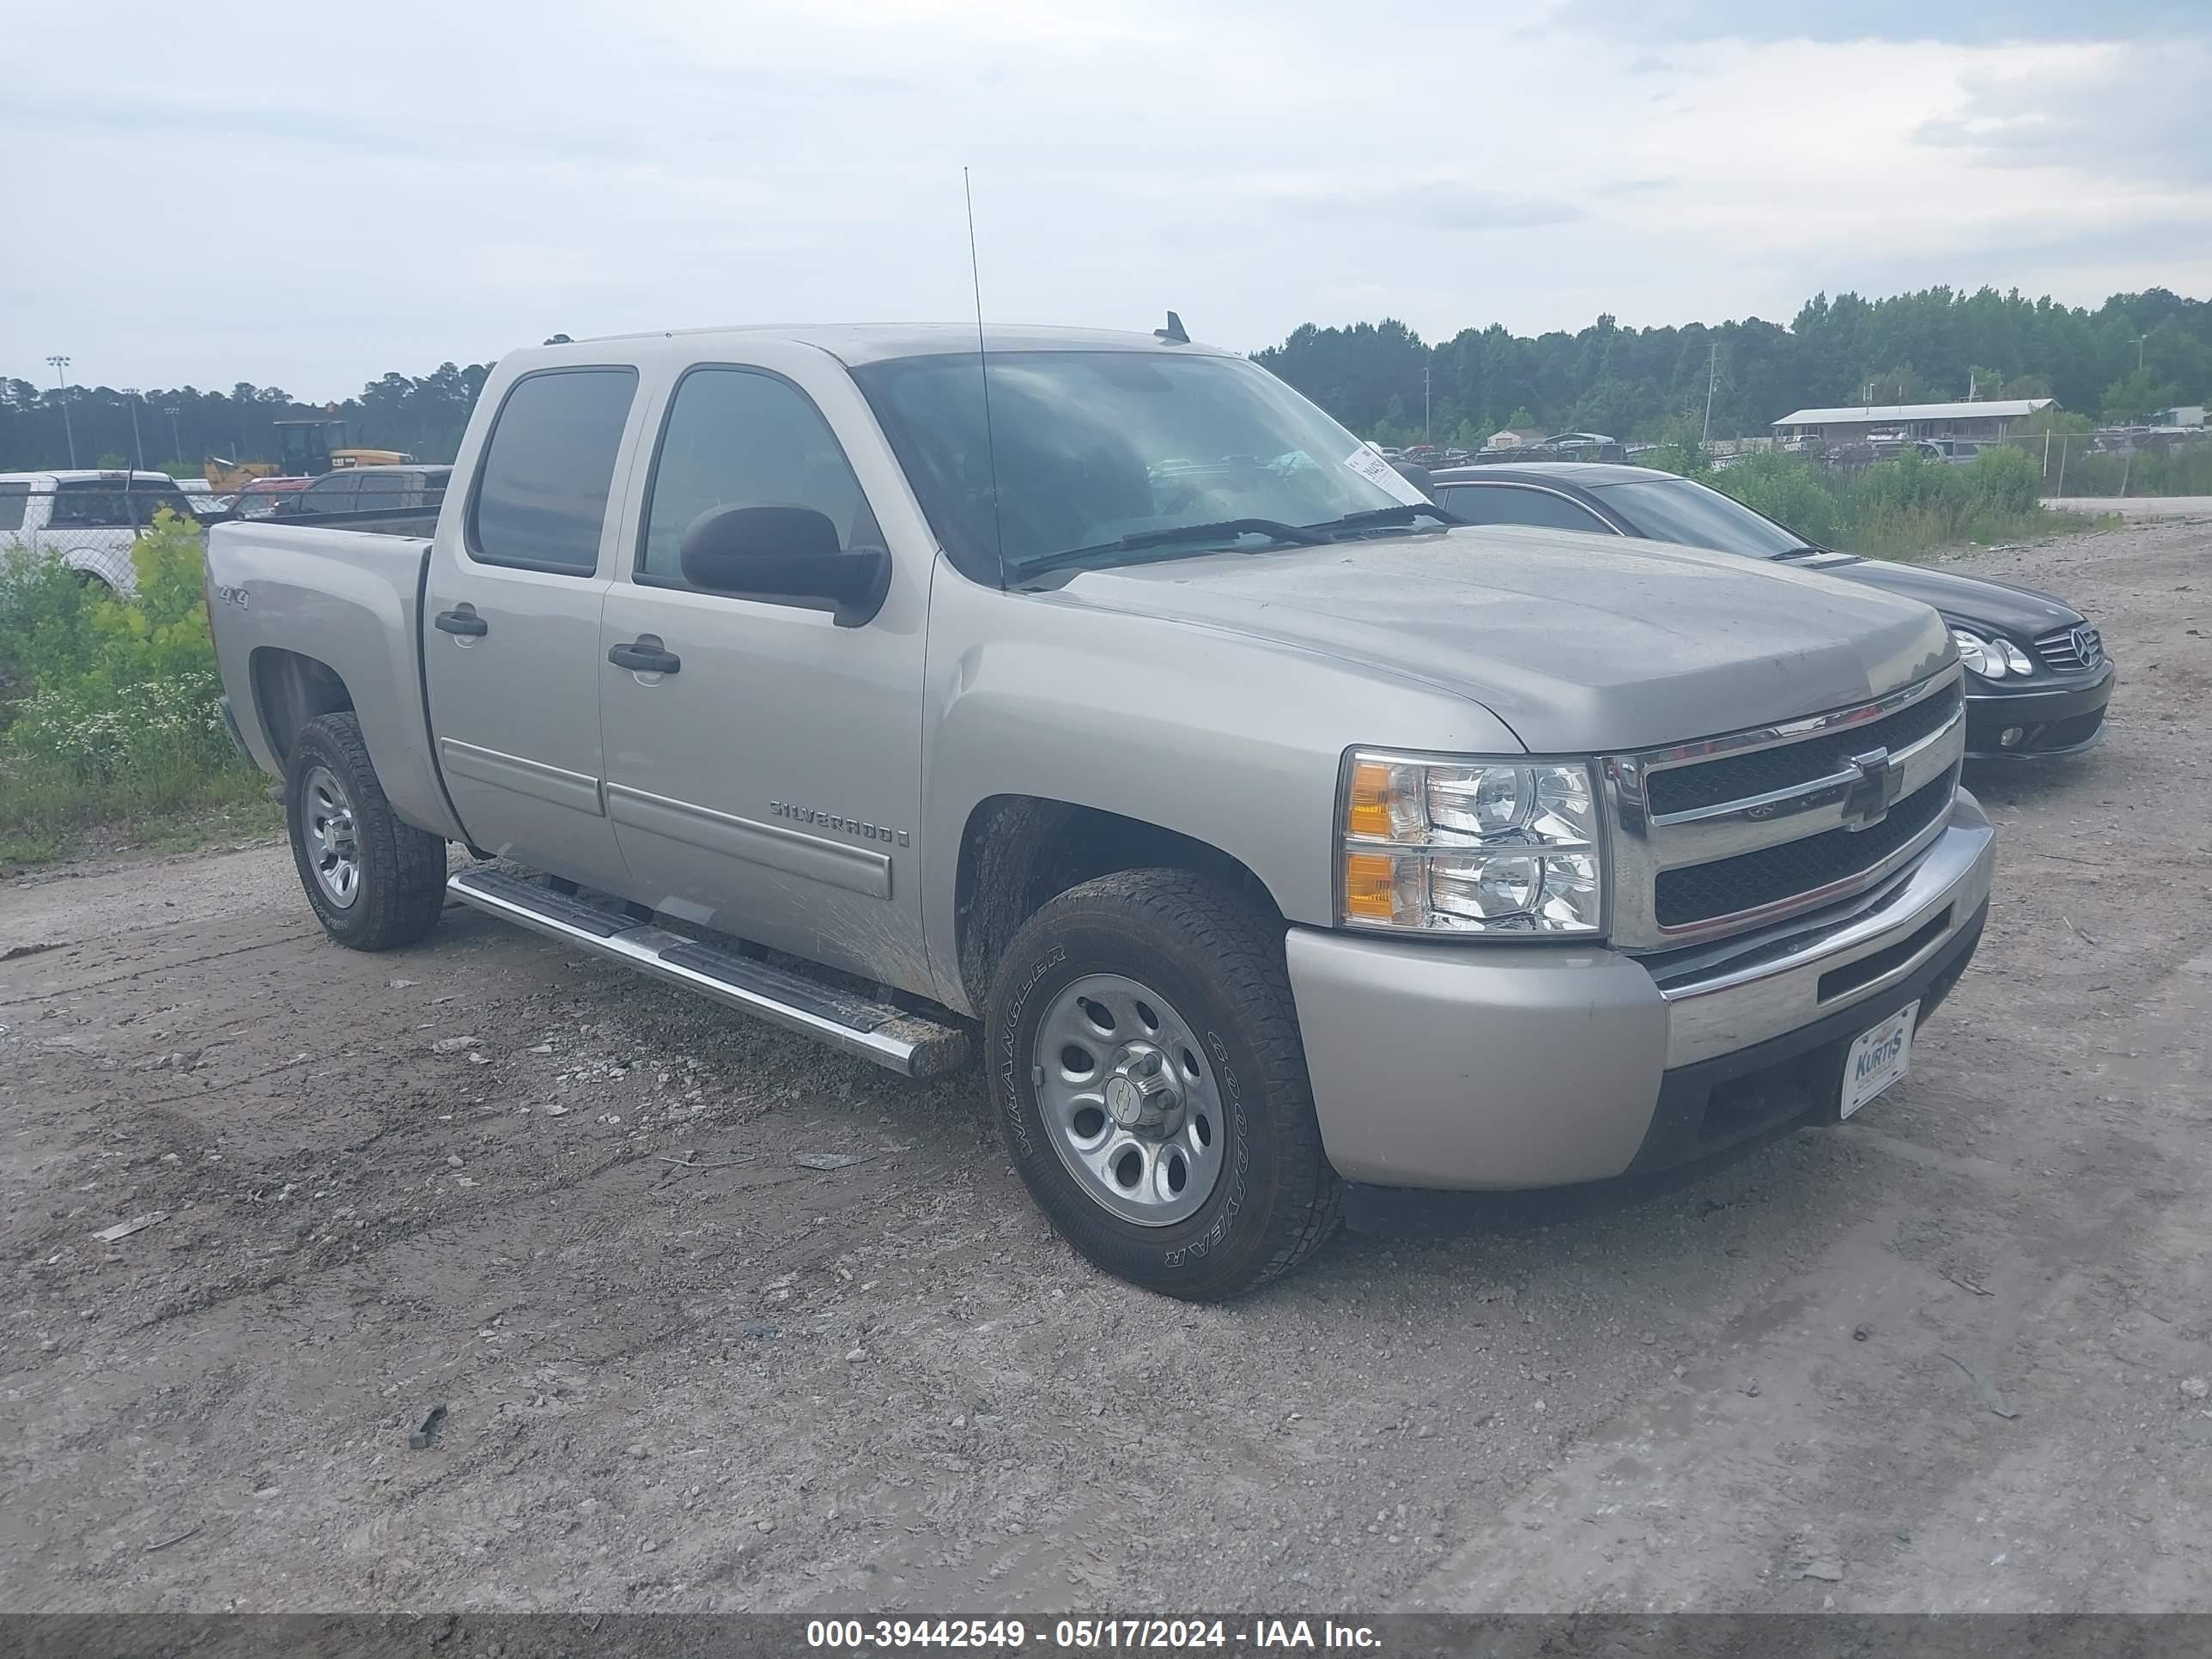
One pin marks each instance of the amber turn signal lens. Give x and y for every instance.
(1368, 812)
(1369, 879)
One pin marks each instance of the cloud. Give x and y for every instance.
(2101, 113)
(1434, 206)
(1967, 22)
(327, 203)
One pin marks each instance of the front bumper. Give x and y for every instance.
(2052, 719)
(1501, 1067)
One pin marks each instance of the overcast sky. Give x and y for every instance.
(311, 194)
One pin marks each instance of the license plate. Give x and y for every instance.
(1878, 1058)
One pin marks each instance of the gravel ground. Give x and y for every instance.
(1947, 1356)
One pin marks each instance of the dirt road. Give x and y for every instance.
(1947, 1356)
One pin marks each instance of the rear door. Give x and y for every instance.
(511, 623)
(770, 786)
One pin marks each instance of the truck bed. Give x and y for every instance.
(344, 593)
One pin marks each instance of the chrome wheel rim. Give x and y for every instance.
(333, 844)
(1130, 1100)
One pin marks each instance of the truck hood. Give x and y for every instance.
(1579, 643)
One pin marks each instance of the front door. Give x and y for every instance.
(511, 626)
(769, 785)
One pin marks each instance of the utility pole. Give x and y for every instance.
(2139, 346)
(176, 444)
(60, 366)
(1713, 379)
(1424, 402)
(132, 392)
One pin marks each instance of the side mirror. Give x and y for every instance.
(786, 553)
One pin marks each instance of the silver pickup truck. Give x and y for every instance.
(1094, 706)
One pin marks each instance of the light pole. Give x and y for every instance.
(60, 364)
(176, 444)
(132, 392)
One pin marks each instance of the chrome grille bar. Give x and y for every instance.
(1844, 788)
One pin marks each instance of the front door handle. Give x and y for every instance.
(463, 621)
(644, 659)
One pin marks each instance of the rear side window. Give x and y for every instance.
(541, 496)
(14, 498)
(383, 488)
(1508, 504)
(738, 437)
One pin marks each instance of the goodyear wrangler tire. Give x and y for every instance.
(1149, 1080)
(375, 881)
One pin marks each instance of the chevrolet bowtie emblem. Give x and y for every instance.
(1880, 780)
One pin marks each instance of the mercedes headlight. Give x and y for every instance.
(1466, 846)
(1992, 659)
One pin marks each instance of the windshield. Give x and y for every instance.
(1092, 447)
(1683, 511)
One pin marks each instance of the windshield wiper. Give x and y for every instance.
(1390, 515)
(1173, 535)
(1802, 550)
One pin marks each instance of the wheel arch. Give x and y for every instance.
(1020, 852)
(289, 690)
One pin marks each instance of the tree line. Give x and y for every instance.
(2133, 354)
(175, 428)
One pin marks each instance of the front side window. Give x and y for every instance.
(542, 488)
(145, 502)
(1511, 504)
(14, 498)
(738, 437)
(1083, 448)
(335, 494)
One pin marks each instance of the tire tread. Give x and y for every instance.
(1241, 947)
(402, 868)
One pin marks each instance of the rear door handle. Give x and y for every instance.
(644, 659)
(464, 622)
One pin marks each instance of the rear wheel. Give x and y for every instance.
(1149, 1080)
(374, 881)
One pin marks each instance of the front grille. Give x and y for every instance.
(1738, 777)
(2071, 648)
(1749, 881)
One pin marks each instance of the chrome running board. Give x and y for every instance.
(912, 1045)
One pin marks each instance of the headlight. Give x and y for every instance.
(1991, 659)
(1469, 847)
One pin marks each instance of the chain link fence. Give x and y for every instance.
(2155, 461)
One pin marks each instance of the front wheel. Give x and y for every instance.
(375, 881)
(1150, 1083)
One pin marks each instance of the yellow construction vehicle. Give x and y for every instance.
(306, 449)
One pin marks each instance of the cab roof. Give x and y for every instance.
(854, 343)
(1591, 475)
(88, 475)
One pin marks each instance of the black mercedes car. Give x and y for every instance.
(2038, 676)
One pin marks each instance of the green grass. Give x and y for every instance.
(1898, 509)
(109, 733)
(49, 813)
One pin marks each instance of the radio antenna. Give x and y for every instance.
(983, 365)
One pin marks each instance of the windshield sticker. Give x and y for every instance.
(1377, 471)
